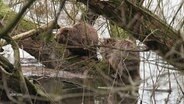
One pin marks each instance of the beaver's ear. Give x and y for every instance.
(64, 31)
(109, 40)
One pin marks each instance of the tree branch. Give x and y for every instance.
(8, 28)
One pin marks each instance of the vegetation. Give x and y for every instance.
(90, 80)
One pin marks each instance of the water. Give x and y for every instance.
(162, 80)
(160, 85)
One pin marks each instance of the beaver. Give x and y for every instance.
(80, 39)
(124, 62)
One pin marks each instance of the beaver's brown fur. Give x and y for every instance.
(121, 59)
(80, 39)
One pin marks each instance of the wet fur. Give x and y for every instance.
(81, 35)
(124, 63)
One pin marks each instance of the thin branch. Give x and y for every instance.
(30, 33)
(7, 29)
(6, 64)
(17, 66)
(5, 86)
